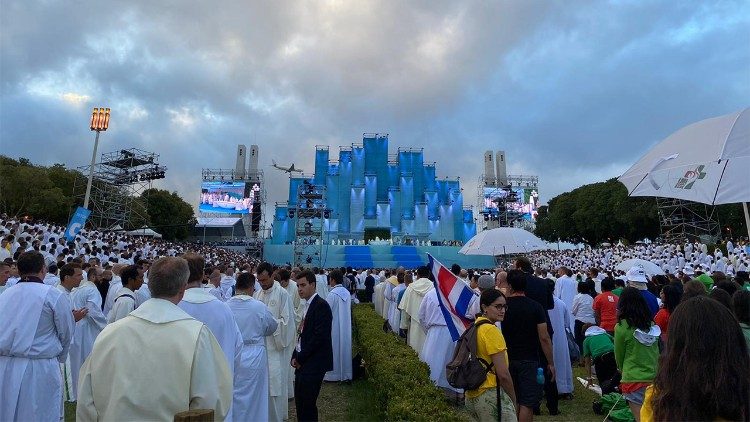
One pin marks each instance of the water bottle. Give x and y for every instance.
(540, 376)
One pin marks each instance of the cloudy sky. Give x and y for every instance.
(574, 91)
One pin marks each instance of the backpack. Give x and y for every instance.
(466, 370)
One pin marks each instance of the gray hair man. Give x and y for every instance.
(193, 373)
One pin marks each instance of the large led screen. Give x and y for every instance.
(226, 197)
(526, 201)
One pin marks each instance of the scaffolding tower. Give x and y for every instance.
(501, 213)
(120, 178)
(681, 221)
(309, 214)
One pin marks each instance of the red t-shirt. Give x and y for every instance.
(662, 320)
(605, 304)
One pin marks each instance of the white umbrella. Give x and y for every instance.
(502, 241)
(706, 162)
(648, 267)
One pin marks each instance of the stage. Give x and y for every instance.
(379, 256)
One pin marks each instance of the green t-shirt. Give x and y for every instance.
(617, 292)
(746, 286)
(597, 345)
(746, 333)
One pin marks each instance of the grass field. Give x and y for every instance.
(353, 402)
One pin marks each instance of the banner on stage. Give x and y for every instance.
(77, 221)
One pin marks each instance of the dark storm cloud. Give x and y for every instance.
(573, 91)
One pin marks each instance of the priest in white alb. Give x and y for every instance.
(70, 278)
(211, 311)
(37, 330)
(85, 296)
(278, 302)
(340, 301)
(157, 361)
(410, 302)
(438, 346)
(251, 375)
(297, 309)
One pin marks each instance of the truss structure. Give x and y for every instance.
(119, 179)
(309, 217)
(501, 214)
(682, 221)
(255, 222)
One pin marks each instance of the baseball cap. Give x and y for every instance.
(636, 274)
(486, 281)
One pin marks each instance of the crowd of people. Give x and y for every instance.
(548, 308)
(92, 319)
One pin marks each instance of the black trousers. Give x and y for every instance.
(606, 368)
(306, 391)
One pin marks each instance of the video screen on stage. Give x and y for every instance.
(523, 200)
(230, 197)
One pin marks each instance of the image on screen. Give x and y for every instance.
(225, 197)
(526, 203)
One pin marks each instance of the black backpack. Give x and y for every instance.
(466, 370)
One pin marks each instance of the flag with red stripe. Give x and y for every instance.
(454, 296)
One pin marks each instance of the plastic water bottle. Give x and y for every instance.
(540, 376)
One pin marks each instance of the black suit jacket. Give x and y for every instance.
(316, 353)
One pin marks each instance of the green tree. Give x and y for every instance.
(170, 215)
(598, 212)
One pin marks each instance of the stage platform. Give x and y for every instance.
(380, 256)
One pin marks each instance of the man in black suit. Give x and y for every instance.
(313, 355)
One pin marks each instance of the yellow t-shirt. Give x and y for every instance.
(490, 341)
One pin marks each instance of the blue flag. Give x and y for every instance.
(76, 223)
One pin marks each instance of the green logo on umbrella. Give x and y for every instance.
(687, 181)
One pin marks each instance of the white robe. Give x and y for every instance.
(321, 285)
(566, 289)
(438, 345)
(377, 298)
(560, 319)
(251, 381)
(388, 298)
(87, 329)
(410, 302)
(277, 346)
(394, 314)
(219, 319)
(37, 329)
(67, 375)
(114, 287)
(298, 308)
(123, 305)
(340, 302)
(183, 367)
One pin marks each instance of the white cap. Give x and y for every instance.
(636, 274)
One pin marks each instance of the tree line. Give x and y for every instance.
(603, 212)
(46, 193)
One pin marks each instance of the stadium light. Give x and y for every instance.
(99, 123)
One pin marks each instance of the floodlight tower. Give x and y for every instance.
(99, 123)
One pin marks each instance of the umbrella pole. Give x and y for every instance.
(747, 219)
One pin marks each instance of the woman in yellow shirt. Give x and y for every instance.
(482, 402)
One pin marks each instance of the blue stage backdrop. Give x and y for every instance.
(368, 188)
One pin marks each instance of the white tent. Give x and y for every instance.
(144, 231)
(503, 241)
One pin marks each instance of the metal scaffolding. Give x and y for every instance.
(682, 220)
(310, 214)
(120, 178)
(502, 214)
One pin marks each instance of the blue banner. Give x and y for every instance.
(77, 221)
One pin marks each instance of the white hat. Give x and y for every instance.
(636, 274)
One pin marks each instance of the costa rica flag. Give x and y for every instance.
(454, 297)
